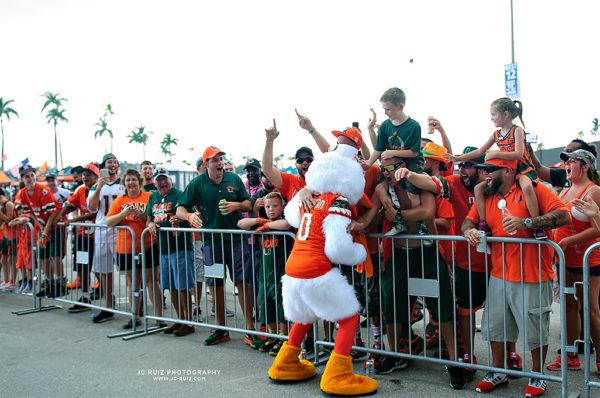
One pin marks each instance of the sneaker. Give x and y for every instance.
(161, 324)
(572, 364)
(263, 328)
(75, 284)
(457, 380)
(535, 387)
(267, 345)
(275, 350)
(514, 362)
(103, 316)
(22, 287)
(396, 229)
(416, 345)
(539, 235)
(80, 308)
(218, 336)
(3, 285)
(9, 286)
(171, 329)
(184, 330)
(490, 381)
(422, 230)
(251, 340)
(376, 358)
(469, 373)
(228, 313)
(27, 288)
(389, 364)
(129, 324)
(356, 355)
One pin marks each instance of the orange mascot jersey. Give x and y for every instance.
(308, 259)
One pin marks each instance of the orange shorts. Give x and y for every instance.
(24, 258)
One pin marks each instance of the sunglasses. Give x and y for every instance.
(302, 160)
(391, 167)
(465, 165)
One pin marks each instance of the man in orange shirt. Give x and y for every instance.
(521, 273)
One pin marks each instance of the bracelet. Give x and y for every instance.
(311, 130)
(188, 216)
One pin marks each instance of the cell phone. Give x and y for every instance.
(104, 172)
(355, 125)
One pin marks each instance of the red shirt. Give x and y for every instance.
(510, 260)
(290, 185)
(79, 201)
(42, 203)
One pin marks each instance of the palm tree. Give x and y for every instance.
(54, 115)
(5, 110)
(140, 137)
(103, 128)
(165, 146)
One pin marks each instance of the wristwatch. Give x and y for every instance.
(528, 222)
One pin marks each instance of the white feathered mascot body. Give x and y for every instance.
(313, 289)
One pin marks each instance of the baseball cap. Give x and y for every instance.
(211, 152)
(468, 149)
(252, 163)
(580, 154)
(108, 156)
(160, 171)
(496, 164)
(199, 162)
(26, 168)
(435, 151)
(51, 176)
(304, 149)
(351, 133)
(92, 168)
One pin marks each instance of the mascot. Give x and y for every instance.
(312, 289)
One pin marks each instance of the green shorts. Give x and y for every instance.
(516, 308)
(470, 293)
(394, 285)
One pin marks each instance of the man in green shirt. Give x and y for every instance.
(176, 250)
(215, 200)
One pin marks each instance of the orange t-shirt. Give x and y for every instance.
(42, 203)
(462, 200)
(532, 257)
(290, 185)
(307, 259)
(371, 176)
(123, 245)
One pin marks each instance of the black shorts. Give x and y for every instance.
(126, 260)
(476, 288)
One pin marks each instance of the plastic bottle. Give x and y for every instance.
(507, 213)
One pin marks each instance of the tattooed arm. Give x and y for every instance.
(551, 220)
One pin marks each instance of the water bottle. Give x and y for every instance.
(370, 367)
(507, 213)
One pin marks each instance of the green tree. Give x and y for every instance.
(102, 125)
(595, 126)
(5, 110)
(165, 146)
(140, 136)
(55, 115)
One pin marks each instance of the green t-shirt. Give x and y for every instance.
(204, 195)
(405, 136)
(149, 187)
(161, 209)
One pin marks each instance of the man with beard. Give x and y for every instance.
(77, 174)
(287, 184)
(521, 274)
(99, 200)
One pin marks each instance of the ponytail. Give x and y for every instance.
(519, 113)
(514, 108)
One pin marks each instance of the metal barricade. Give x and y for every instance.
(587, 382)
(409, 264)
(241, 257)
(22, 257)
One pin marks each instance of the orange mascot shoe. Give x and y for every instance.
(288, 368)
(339, 379)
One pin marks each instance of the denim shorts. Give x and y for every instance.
(177, 270)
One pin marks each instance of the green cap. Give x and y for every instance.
(108, 156)
(468, 149)
(51, 176)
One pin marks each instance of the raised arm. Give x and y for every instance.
(268, 169)
(543, 171)
(473, 154)
(307, 125)
(445, 141)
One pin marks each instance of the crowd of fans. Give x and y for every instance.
(413, 186)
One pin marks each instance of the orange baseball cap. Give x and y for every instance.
(495, 164)
(352, 134)
(211, 152)
(435, 151)
(93, 168)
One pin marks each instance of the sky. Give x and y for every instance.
(217, 73)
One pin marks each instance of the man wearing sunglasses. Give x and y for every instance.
(287, 184)
(521, 274)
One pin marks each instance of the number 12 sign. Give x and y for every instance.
(511, 85)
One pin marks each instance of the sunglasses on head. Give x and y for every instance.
(392, 167)
(465, 165)
(302, 160)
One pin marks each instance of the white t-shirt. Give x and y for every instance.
(62, 195)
